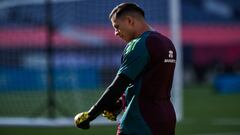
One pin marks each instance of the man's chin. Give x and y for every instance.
(126, 40)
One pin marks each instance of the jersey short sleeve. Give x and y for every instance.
(135, 57)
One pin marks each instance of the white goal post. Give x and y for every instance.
(175, 22)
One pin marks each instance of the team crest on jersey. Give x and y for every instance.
(170, 57)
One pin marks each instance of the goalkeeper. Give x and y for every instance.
(144, 77)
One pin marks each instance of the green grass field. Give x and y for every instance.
(205, 113)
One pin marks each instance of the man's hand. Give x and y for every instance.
(110, 115)
(82, 120)
(112, 112)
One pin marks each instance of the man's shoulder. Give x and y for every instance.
(156, 35)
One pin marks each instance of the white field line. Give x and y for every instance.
(58, 122)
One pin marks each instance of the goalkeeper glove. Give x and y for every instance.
(82, 120)
(109, 115)
(112, 112)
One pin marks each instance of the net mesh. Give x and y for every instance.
(84, 58)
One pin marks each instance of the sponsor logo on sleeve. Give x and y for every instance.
(170, 58)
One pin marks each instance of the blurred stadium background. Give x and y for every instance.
(57, 56)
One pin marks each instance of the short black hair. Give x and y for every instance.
(124, 8)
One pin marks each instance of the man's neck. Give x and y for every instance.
(142, 28)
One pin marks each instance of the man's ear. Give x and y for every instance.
(130, 20)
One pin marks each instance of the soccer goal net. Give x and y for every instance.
(58, 56)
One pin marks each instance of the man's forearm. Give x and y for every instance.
(110, 96)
